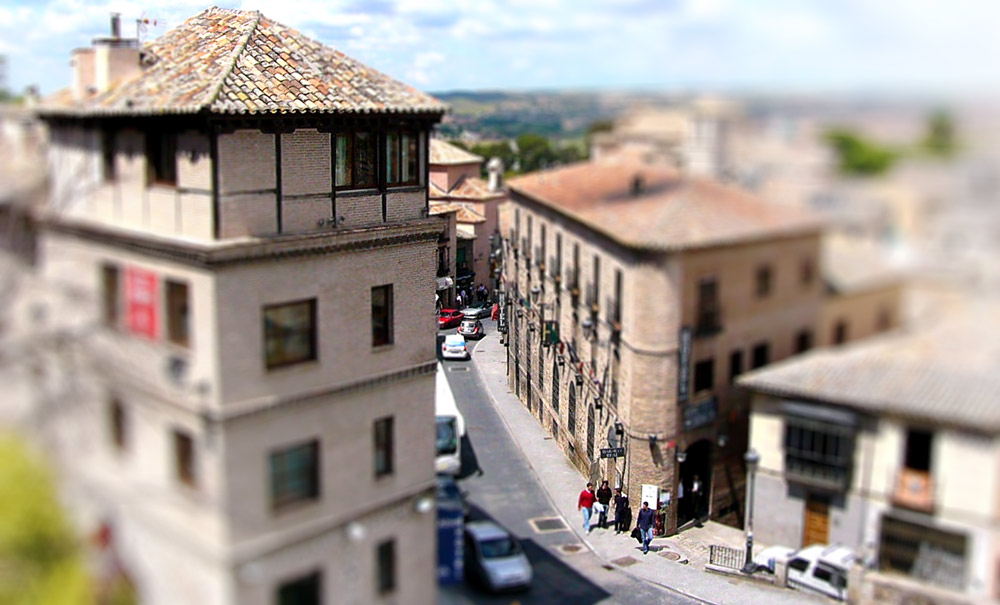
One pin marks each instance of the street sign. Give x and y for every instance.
(612, 452)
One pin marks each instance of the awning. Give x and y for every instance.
(443, 283)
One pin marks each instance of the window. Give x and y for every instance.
(824, 573)
(704, 375)
(761, 355)
(108, 168)
(302, 591)
(290, 333)
(178, 313)
(803, 341)
(383, 447)
(924, 552)
(110, 279)
(294, 474)
(735, 365)
(386, 562)
(807, 272)
(401, 158)
(116, 412)
(571, 410)
(798, 564)
(184, 457)
(918, 449)
(840, 332)
(708, 307)
(161, 159)
(763, 281)
(382, 315)
(884, 321)
(590, 432)
(555, 386)
(818, 453)
(357, 157)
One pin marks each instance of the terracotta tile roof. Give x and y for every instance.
(468, 188)
(944, 373)
(671, 212)
(444, 153)
(231, 61)
(465, 214)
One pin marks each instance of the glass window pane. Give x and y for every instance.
(365, 159)
(345, 160)
(392, 175)
(410, 158)
(289, 333)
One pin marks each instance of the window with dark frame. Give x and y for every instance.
(119, 434)
(704, 375)
(290, 333)
(571, 410)
(356, 160)
(386, 563)
(294, 474)
(807, 272)
(383, 447)
(401, 153)
(818, 453)
(803, 341)
(763, 281)
(382, 315)
(306, 590)
(840, 333)
(884, 321)
(111, 280)
(708, 321)
(109, 170)
(918, 449)
(760, 356)
(184, 461)
(555, 385)
(161, 158)
(735, 365)
(178, 313)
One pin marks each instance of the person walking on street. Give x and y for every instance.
(585, 503)
(604, 499)
(622, 511)
(645, 522)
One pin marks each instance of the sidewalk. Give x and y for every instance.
(676, 562)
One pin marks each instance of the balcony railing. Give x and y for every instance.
(914, 490)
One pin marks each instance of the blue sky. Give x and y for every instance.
(922, 46)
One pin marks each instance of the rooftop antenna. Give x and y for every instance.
(142, 25)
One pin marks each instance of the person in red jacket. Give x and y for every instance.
(586, 503)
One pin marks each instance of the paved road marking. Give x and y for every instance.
(458, 369)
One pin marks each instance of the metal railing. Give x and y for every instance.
(726, 556)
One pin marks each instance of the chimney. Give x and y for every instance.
(495, 170)
(107, 61)
(116, 26)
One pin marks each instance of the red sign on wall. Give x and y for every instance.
(140, 302)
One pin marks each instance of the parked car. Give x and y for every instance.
(471, 328)
(494, 558)
(454, 347)
(817, 568)
(449, 318)
(476, 312)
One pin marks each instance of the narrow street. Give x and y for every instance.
(500, 485)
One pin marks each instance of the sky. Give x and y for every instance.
(933, 47)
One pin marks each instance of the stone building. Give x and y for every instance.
(455, 183)
(891, 447)
(635, 296)
(242, 213)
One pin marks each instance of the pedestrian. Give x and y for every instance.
(495, 314)
(585, 503)
(458, 300)
(622, 511)
(645, 522)
(465, 296)
(604, 499)
(695, 498)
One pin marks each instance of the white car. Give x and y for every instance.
(494, 557)
(454, 347)
(817, 568)
(476, 312)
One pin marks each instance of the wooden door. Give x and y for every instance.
(816, 526)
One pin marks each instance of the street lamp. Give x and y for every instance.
(752, 458)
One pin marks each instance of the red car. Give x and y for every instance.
(450, 318)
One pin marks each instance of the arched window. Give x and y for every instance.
(590, 433)
(571, 412)
(555, 386)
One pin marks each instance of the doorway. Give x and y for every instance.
(816, 524)
(695, 483)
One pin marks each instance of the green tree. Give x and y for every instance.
(940, 137)
(859, 156)
(40, 558)
(535, 152)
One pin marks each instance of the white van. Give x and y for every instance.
(822, 569)
(450, 426)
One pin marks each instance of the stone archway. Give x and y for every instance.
(695, 483)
